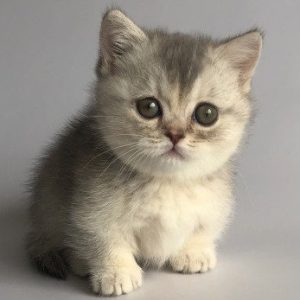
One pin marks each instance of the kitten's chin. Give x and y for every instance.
(182, 166)
(177, 163)
(171, 165)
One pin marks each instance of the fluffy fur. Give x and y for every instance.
(107, 194)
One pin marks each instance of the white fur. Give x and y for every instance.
(164, 220)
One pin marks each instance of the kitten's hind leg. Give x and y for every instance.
(45, 256)
(77, 265)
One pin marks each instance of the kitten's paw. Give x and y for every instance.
(193, 261)
(117, 281)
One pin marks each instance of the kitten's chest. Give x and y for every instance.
(167, 216)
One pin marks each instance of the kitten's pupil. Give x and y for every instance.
(208, 113)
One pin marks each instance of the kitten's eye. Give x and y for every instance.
(206, 114)
(148, 108)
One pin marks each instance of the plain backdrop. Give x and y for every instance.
(48, 50)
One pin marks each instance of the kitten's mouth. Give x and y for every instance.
(174, 153)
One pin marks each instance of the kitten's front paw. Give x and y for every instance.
(192, 261)
(117, 281)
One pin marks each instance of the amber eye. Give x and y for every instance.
(148, 108)
(206, 114)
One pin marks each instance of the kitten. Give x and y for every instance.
(144, 173)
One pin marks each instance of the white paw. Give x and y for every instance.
(194, 262)
(117, 281)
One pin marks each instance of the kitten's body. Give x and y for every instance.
(100, 202)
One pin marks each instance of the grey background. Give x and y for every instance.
(47, 54)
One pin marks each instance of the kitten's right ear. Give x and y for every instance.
(243, 53)
(118, 35)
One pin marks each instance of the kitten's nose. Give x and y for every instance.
(174, 136)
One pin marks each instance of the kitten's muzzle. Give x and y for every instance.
(174, 136)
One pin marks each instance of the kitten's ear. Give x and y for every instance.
(118, 35)
(243, 53)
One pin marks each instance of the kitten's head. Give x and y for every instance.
(173, 104)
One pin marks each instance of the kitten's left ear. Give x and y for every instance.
(118, 36)
(243, 53)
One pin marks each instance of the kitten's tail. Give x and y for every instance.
(50, 261)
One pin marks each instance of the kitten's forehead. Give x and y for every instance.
(181, 58)
(191, 71)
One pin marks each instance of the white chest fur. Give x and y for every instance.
(168, 213)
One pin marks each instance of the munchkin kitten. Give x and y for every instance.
(143, 176)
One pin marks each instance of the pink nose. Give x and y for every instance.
(174, 137)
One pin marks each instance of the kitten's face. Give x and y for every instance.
(174, 106)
